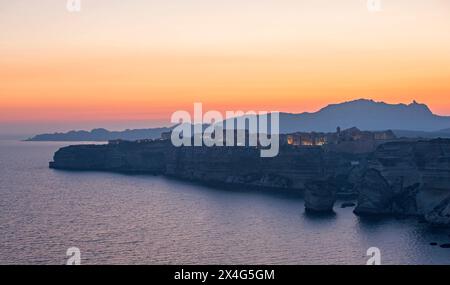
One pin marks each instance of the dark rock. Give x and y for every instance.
(320, 196)
(347, 205)
(440, 215)
(433, 243)
(375, 194)
(413, 178)
(445, 245)
(405, 200)
(124, 157)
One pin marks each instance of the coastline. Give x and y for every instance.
(400, 178)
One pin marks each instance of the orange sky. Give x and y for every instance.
(142, 60)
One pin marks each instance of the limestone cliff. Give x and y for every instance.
(121, 157)
(409, 177)
(291, 169)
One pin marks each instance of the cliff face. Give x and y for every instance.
(123, 157)
(407, 178)
(291, 169)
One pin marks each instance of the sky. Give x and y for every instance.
(120, 64)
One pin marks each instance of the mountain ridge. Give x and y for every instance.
(366, 114)
(414, 119)
(101, 134)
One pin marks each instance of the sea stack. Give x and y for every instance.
(320, 197)
(375, 194)
(440, 215)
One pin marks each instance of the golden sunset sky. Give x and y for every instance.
(132, 63)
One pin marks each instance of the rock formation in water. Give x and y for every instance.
(440, 214)
(409, 178)
(320, 196)
(375, 194)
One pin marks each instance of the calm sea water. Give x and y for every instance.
(122, 219)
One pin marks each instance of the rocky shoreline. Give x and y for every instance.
(398, 178)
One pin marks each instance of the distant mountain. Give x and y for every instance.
(102, 135)
(366, 115)
(413, 120)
